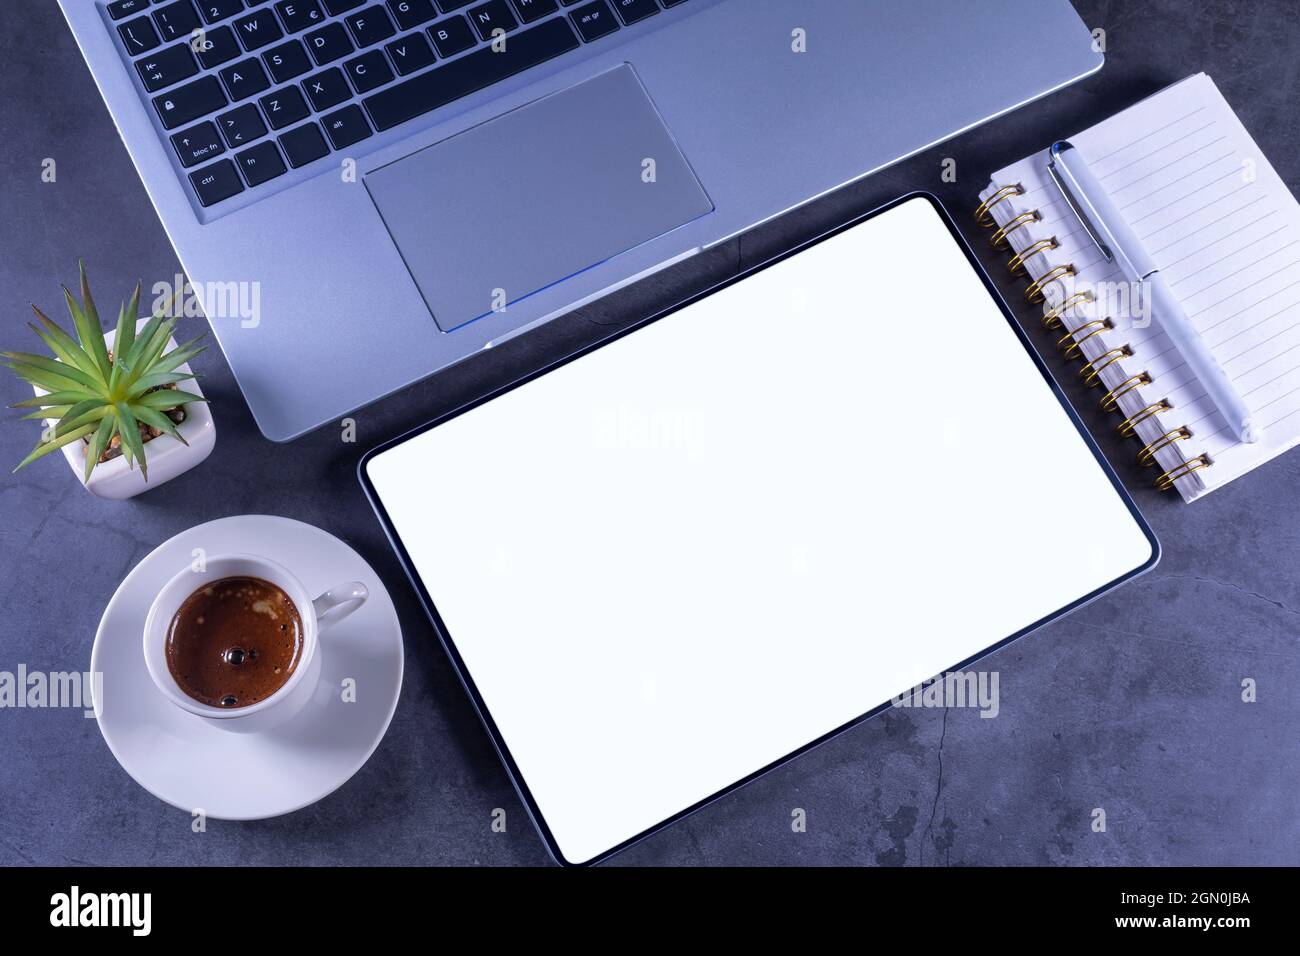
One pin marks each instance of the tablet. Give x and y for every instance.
(691, 553)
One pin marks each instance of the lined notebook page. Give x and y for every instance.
(1224, 231)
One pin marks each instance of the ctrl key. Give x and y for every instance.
(216, 182)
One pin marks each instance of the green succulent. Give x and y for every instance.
(96, 396)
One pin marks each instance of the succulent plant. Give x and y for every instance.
(101, 397)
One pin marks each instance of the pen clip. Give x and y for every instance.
(1096, 211)
(1059, 174)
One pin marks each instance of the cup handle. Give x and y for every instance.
(337, 603)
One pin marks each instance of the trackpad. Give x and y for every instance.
(535, 196)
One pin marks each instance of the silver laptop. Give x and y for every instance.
(364, 194)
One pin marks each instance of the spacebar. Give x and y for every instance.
(471, 73)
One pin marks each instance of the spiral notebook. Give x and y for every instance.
(1224, 231)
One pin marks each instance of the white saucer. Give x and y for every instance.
(192, 764)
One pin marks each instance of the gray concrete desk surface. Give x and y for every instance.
(1132, 705)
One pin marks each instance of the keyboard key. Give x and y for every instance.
(446, 6)
(216, 182)
(411, 13)
(346, 127)
(594, 20)
(287, 61)
(329, 43)
(187, 103)
(673, 3)
(452, 36)
(214, 10)
(492, 16)
(260, 164)
(284, 107)
(304, 145)
(300, 14)
(176, 20)
(124, 8)
(370, 26)
(257, 30)
(218, 46)
(472, 72)
(342, 6)
(410, 53)
(244, 79)
(241, 126)
(139, 35)
(197, 144)
(530, 10)
(167, 66)
(326, 89)
(630, 11)
(369, 71)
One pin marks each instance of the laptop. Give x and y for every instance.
(365, 193)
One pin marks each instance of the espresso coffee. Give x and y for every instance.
(234, 642)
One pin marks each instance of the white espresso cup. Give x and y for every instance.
(317, 614)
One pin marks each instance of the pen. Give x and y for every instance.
(1115, 239)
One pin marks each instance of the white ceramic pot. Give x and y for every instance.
(166, 457)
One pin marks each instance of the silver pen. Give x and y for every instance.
(1116, 241)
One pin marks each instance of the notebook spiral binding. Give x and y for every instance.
(1071, 343)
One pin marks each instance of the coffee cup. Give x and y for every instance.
(317, 616)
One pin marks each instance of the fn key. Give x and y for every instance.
(216, 182)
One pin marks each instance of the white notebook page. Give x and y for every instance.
(1224, 231)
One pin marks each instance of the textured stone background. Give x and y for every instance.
(1131, 704)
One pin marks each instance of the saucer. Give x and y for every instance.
(193, 764)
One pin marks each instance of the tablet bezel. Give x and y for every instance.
(466, 679)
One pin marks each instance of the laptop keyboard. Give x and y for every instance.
(273, 86)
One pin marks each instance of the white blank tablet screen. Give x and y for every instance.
(679, 558)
